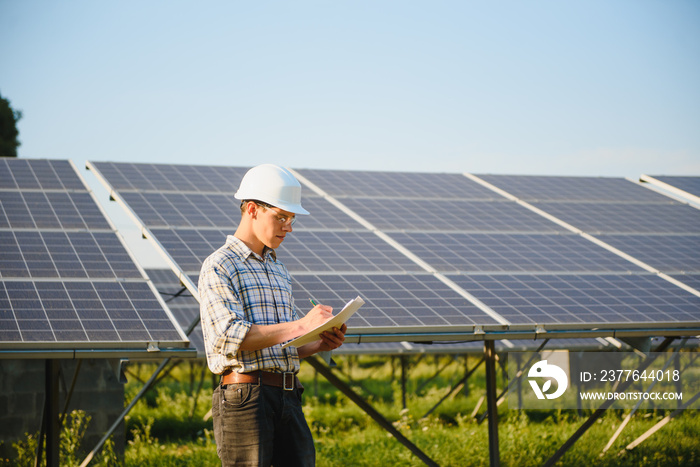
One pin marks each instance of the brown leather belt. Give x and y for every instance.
(287, 381)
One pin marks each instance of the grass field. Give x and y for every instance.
(164, 429)
(169, 427)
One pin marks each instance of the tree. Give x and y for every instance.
(8, 129)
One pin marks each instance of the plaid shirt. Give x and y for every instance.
(238, 288)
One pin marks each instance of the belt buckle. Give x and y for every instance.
(284, 381)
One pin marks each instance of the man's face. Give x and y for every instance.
(272, 225)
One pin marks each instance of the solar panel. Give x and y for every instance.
(54, 314)
(628, 218)
(171, 178)
(66, 279)
(611, 300)
(189, 247)
(394, 214)
(303, 251)
(186, 309)
(184, 210)
(97, 315)
(515, 253)
(220, 210)
(341, 252)
(35, 174)
(53, 254)
(667, 253)
(581, 189)
(429, 227)
(367, 184)
(25, 209)
(416, 303)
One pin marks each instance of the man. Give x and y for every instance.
(247, 311)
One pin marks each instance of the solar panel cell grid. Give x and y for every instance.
(416, 301)
(397, 185)
(189, 248)
(449, 215)
(588, 189)
(36, 174)
(211, 210)
(667, 253)
(341, 252)
(71, 311)
(563, 299)
(65, 255)
(628, 218)
(458, 252)
(171, 178)
(37, 210)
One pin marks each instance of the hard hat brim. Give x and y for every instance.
(294, 208)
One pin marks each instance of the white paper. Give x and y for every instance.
(335, 322)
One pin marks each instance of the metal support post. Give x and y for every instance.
(403, 380)
(53, 429)
(491, 402)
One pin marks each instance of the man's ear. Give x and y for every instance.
(251, 209)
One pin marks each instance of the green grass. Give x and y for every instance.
(167, 428)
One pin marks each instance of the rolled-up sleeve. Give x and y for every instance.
(223, 320)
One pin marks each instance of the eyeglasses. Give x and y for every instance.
(281, 218)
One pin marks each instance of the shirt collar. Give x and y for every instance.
(241, 249)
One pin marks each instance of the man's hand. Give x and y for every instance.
(316, 317)
(331, 340)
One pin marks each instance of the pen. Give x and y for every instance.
(313, 302)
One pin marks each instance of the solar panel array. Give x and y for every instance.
(66, 279)
(442, 255)
(184, 306)
(648, 226)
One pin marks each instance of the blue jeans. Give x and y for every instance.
(261, 426)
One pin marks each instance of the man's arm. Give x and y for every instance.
(262, 336)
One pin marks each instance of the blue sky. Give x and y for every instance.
(517, 87)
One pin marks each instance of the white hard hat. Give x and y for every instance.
(273, 185)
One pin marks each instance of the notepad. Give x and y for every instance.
(335, 322)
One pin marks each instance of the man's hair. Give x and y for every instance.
(259, 203)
